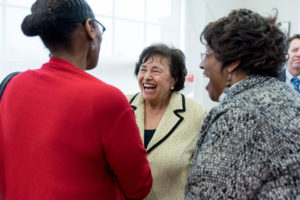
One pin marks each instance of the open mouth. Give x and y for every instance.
(149, 87)
(208, 81)
(297, 61)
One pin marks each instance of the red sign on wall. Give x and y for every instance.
(189, 78)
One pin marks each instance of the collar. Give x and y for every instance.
(175, 102)
(223, 95)
(245, 84)
(169, 122)
(289, 76)
(58, 65)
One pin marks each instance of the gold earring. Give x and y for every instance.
(172, 88)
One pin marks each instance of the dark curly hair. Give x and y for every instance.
(55, 21)
(256, 41)
(176, 59)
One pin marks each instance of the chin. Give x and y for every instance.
(147, 97)
(214, 97)
(90, 66)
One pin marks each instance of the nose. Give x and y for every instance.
(148, 74)
(201, 66)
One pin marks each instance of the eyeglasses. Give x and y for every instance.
(153, 71)
(205, 55)
(101, 26)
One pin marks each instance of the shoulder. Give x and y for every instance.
(107, 90)
(108, 96)
(135, 100)
(193, 106)
(190, 107)
(131, 97)
(282, 75)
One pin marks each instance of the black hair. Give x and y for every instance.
(176, 60)
(55, 20)
(256, 41)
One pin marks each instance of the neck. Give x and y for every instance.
(78, 52)
(77, 60)
(157, 105)
(154, 113)
(237, 77)
(293, 71)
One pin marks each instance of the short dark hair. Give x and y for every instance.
(290, 39)
(55, 21)
(175, 57)
(257, 42)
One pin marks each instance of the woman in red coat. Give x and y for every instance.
(64, 134)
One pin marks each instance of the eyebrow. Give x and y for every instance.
(153, 67)
(156, 67)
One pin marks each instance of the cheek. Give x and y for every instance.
(218, 82)
(140, 80)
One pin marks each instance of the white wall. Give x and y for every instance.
(288, 10)
(129, 30)
(200, 12)
(197, 13)
(117, 73)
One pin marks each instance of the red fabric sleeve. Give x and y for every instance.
(126, 156)
(2, 184)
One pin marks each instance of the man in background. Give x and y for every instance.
(291, 74)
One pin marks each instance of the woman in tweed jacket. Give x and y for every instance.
(249, 145)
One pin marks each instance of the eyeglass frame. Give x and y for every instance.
(205, 55)
(102, 29)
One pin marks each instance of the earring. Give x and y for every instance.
(93, 46)
(172, 88)
(228, 84)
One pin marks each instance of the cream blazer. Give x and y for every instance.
(172, 145)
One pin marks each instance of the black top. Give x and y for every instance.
(148, 134)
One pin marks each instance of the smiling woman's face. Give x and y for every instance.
(155, 79)
(217, 78)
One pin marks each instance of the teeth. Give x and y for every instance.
(149, 85)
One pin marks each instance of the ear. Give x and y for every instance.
(287, 56)
(230, 68)
(174, 81)
(90, 29)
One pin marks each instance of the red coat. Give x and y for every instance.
(66, 135)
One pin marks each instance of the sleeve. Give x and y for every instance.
(230, 161)
(2, 180)
(2, 184)
(197, 118)
(126, 155)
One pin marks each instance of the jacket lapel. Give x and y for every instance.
(169, 122)
(137, 104)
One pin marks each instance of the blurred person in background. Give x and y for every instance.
(168, 121)
(249, 144)
(291, 74)
(64, 134)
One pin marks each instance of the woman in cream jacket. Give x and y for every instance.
(168, 121)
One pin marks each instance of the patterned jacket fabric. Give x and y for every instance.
(249, 145)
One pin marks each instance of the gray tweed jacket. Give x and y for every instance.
(249, 145)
